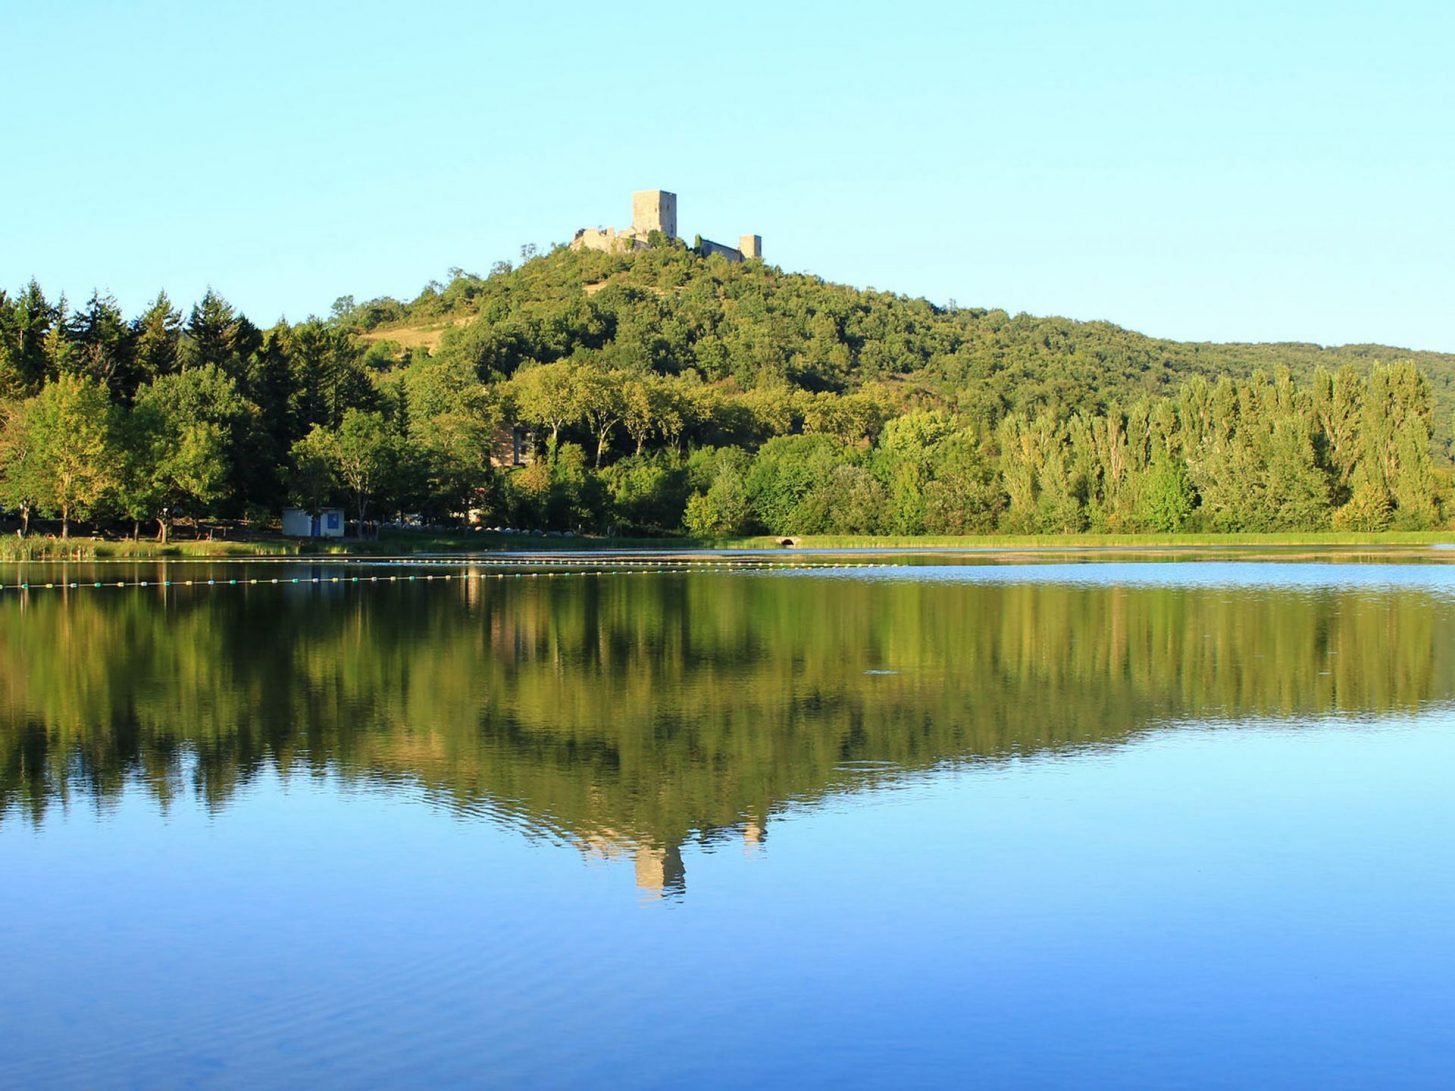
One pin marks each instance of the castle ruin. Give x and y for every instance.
(656, 210)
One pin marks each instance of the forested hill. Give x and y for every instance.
(658, 391)
(758, 326)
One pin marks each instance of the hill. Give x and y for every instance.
(756, 325)
(658, 391)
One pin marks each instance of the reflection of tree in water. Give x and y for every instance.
(630, 715)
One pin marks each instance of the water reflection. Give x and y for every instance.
(631, 715)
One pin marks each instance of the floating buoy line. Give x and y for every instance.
(494, 569)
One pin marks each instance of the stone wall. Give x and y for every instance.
(708, 248)
(606, 238)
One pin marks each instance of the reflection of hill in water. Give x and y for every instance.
(629, 713)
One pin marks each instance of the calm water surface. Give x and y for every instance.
(908, 824)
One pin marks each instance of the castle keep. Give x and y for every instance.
(656, 210)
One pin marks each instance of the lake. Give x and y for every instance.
(728, 820)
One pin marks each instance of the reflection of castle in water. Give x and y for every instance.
(639, 716)
(660, 869)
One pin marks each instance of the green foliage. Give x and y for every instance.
(723, 509)
(546, 396)
(649, 493)
(1168, 497)
(1368, 509)
(851, 411)
(101, 346)
(365, 456)
(72, 426)
(314, 477)
(158, 335)
(28, 324)
(23, 480)
(785, 483)
(183, 435)
(450, 418)
(562, 494)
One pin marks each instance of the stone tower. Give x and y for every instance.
(654, 210)
(751, 245)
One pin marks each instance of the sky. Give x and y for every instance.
(1203, 171)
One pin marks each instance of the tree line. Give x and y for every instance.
(665, 393)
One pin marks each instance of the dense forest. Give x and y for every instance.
(664, 392)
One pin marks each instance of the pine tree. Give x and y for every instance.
(211, 328)
(101, 346)
(26, 322)
(157, 334)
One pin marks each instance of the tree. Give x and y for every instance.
(1413, 484)
(326, 377)
(723, 510)
(450, 418)
(22, 484)
(648, 492)
(180, 443)
(1168, 497)
(963, 496)
(313, 477)
(545, 395)
(156, 335)
(73, 428)
(212, 328)
(185, 463)
(101, 346)
(599, 402)
(26, 327)
(1296, 488)
(1368, 509)
(641, 407)
(1018, 460)
(577, 498)
(260, 458)
(784, 478)
(364, 454)
(453, 451)
(851, 501)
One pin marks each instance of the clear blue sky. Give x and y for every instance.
(1226, 171)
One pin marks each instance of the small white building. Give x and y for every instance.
(301, 523)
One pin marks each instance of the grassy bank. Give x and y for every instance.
(1331, 539)
(94, 549)
(395, 543)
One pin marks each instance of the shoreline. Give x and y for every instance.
(425, 546)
